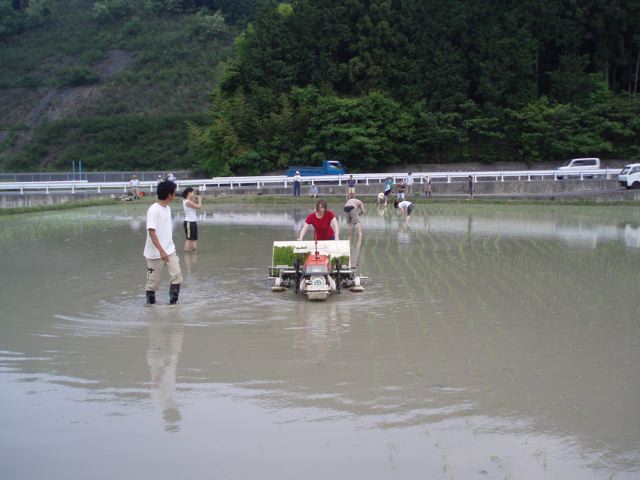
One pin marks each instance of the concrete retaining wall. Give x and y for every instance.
(16, 200)
(596, 188)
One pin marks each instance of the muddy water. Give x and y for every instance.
(491, 342)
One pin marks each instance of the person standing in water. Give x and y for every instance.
(159, 249)
(324, 223)
(388, 188)
(353, 209)
(191, 203)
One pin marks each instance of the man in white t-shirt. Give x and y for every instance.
(160, 249)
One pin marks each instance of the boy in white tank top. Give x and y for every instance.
(191, 204)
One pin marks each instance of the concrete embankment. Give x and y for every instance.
(17, 200)
(592, 189)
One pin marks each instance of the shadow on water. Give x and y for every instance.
(486, 342)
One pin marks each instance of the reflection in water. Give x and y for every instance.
(165, 344)
(356, 252)
(319, 328)
(190, 264)
(404, 236)
(135, 224)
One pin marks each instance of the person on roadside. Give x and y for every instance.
(171, 177)
(159, 249)
(134, 187)
(297, 182)
(427, 189)
(470, 182)
(353, 209)
(351, 187)
(190, 203)
(313, 190)
(324, 222)
(409, 183)
(406, 207)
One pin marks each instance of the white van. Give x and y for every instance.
(630, 176)
(578, 166)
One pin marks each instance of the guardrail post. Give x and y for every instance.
(339, 180)
(203, 188)
(21, 190)
(73, 188)
(528, 177)
(502, 177)
(231, 184)
(258, 183)
(47, 190)
(367, 181)
(99, 189)
(448, 178)
(581, 176)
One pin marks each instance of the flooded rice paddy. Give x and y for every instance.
(490, 342)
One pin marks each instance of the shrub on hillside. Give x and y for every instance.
(16, 17)
(206, 26)
(78, 76)
(109, 10)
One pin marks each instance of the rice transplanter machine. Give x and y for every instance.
(314, 268)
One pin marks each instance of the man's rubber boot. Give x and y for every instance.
(174, 292)
(151, 297)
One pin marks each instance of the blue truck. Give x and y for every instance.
(329, 167)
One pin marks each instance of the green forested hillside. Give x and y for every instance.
(381, 82)
(113, 83)
(246, 86)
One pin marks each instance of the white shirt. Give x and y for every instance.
(405, 204)
(190, 214)
(297, 178)
(159, 219)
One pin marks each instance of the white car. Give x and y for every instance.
(630, 176)
(577, 167)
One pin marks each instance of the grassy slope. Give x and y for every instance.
(135, 118)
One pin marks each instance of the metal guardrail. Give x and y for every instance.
(110, 176)
(284, 181)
